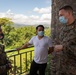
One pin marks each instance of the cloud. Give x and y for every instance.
(44, 18)
(43, 10)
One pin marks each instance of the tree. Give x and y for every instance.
(56, 4)
(6, 25)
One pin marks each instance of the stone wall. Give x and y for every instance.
(55, 27)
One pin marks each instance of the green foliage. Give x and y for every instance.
(47, 32)
(5, 21)
(22, 35)
(15, 37)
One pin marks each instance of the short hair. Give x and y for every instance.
(67, 8)
(39, 26)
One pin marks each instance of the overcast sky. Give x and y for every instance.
(28, 12)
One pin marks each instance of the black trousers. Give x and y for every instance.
(37, 68)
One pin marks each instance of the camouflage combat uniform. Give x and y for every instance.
(64, 62)
(3, 61)
(68, 57)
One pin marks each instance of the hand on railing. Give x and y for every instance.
(17, 49)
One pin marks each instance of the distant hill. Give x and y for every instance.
(22, 25)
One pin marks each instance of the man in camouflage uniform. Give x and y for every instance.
(5, 65)
(67, 42)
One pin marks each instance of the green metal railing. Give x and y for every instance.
(21, 61)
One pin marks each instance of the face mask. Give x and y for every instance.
(63, 20)
(41, 33)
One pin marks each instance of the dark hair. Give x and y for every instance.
(67, 7)
(39, 26)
